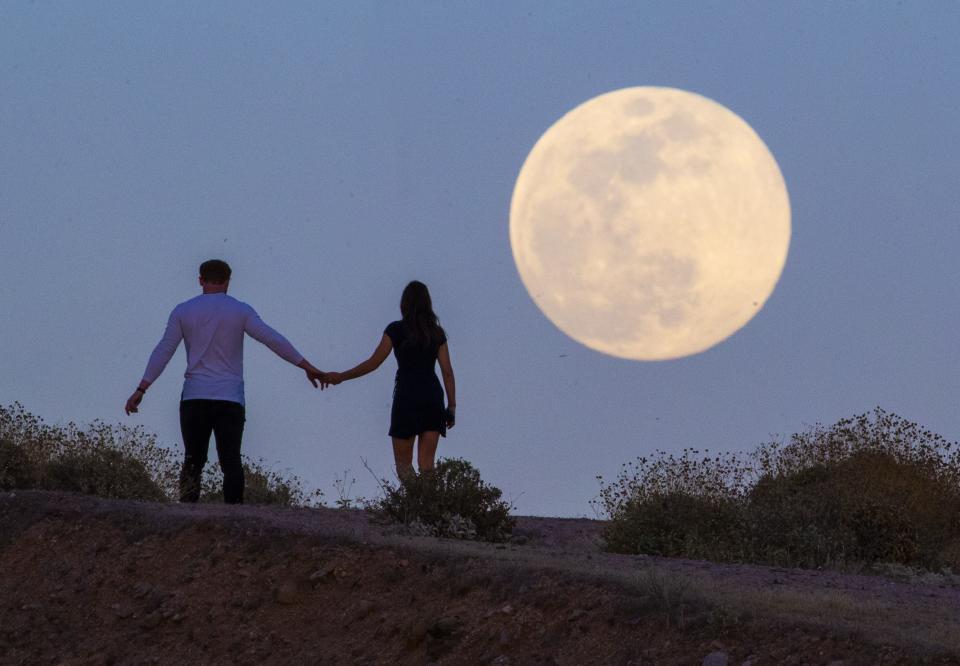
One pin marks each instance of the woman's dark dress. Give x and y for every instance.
(417, 394)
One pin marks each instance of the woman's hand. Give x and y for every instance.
(333, 378)
(451, 416)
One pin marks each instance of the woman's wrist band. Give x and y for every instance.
(141, 390)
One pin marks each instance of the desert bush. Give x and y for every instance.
(872, 488)
(677, 524)
(108, 460)
(676, 506)
(16, 469)
(28, 444)
(117, 461)
(104, 472)
(451, 501)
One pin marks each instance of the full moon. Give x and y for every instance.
(650, 223)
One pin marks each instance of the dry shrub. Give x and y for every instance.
(676, 506)
(16, 470)
(116, 461)
(451, 501)
(873, 488)
(676, 525)
(103, 472)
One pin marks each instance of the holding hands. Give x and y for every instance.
(319, 378)
(316, 377)
(333, 378)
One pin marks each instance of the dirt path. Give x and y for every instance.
(576, 543)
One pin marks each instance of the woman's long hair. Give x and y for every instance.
(418, 317)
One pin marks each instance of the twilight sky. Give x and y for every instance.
(331, 152)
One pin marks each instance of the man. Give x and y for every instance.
(212, 326)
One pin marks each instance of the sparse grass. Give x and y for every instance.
(687, 601)
(117, 461)
(261, 486)
(451, 501)
(843, 614)
(668, 595)
(873, 488)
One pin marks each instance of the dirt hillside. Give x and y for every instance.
(91, 581)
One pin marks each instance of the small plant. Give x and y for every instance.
(451, 501)
(344, 487)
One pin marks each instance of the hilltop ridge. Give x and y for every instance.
(85, 580)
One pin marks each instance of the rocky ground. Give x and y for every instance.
(91, 581)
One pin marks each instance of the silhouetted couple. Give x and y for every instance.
(212, 327)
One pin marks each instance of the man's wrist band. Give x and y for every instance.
(141, 390)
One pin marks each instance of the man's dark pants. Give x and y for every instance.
(223, 418)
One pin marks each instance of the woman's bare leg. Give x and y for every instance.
(403, 457)
(427, 450)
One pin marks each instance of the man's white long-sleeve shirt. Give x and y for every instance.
(212, 327)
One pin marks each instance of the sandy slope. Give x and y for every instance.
(85, 580)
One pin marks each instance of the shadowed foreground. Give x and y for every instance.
(92, 581)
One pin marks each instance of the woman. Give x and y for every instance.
(419, 342)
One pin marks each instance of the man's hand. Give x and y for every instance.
(334, 378)
(133, 402)
(316, 377)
